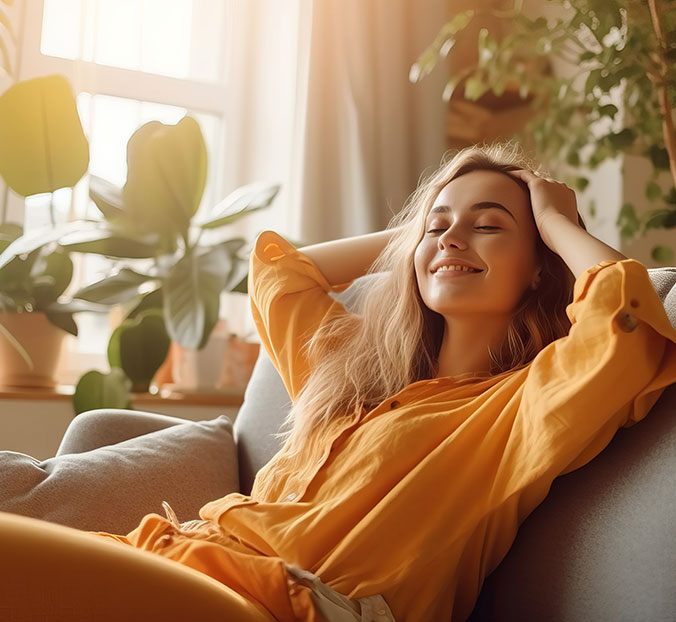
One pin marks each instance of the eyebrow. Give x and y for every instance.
(477, 206)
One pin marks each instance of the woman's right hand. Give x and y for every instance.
(548, 198)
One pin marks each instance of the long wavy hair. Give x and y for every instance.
(363, 357)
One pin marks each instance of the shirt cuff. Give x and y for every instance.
(274, 250)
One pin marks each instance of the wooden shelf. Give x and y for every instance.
(165, 395)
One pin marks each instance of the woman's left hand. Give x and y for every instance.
(548, 197)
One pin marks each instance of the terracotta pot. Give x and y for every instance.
(226, 362)
(238, 363)
(41, 339)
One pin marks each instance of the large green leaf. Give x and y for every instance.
(110, 243)
(139, 346)
(15, 275)
(167, 167)
(106, 196)
(58, 266)
(42, 144)
(111, 290)
(238, 203)
(192, 296)
(243, 286)
(97, 390)
(150, 300)
(64, 321)
(41, 237)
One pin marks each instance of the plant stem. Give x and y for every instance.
(662, 93)
(17, 346)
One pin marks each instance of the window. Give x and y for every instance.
(128, 62)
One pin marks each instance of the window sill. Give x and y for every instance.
(165, 395)
(33, 420)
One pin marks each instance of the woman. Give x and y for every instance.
(427, 424)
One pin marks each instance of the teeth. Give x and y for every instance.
(453, 268)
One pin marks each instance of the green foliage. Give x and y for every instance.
(42, 144)
(99, 390)
(138, 346)
(155, 216)
(612, 50)
(34, 274)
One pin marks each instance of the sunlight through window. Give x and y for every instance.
(180, 39)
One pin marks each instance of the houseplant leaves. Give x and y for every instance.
(42, 143)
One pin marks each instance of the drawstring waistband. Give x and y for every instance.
(334, 606)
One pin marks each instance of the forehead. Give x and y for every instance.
(479, 191)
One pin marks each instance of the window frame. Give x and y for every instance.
(96, 79)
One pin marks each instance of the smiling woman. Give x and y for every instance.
(352, 500)
(499, 241)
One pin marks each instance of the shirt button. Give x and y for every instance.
(394, 404)
(634, 302)
(627, 322)
(290, 497)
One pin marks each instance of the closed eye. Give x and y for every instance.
(484, 227)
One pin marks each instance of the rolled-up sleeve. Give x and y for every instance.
(290, 300)
(607, 373)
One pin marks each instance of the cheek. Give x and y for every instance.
(420, 261)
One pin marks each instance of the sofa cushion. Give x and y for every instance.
(111, 488)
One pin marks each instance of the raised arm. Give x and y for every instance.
(555, 212)
(346, 259)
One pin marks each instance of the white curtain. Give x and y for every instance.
(321, 103)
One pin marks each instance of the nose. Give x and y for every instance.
(451, 237)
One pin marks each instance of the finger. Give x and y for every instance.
(523, 175)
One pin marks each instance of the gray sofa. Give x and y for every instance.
(602, 546)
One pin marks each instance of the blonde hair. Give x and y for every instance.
(362, 358)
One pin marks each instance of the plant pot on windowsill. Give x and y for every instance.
(225, 362)
(42, 341)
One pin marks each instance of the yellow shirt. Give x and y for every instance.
(420, 498)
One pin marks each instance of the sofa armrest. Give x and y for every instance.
(108, 426)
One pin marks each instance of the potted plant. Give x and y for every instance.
(171, 264)
(575, 119)
(42, 148)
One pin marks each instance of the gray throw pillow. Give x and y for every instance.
(112, 487)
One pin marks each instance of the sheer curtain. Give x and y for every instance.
(321, 103)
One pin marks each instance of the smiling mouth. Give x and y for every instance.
(444, 272)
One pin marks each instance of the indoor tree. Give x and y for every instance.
(617, 98)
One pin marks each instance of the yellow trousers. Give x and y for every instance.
(56, 573)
